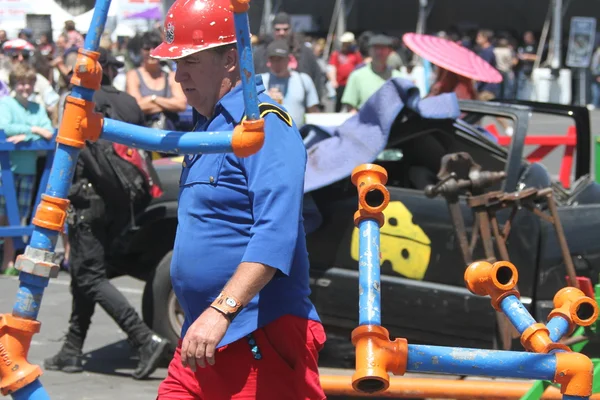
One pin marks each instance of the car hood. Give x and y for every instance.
(333, 152)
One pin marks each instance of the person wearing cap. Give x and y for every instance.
(93, 221)
(365, 81)
(302, 58)
(239, 266)
(295, 90)
(344, 61)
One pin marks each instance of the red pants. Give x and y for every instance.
(287, 369)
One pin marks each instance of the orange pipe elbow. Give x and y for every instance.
(373, 196)
(574, 373)
(51, 213)
(15, 339)
(376, 355)
(240, 6)
(575, 307)
(87, 72)
(496, 281)
(248, 137)
(80, 123)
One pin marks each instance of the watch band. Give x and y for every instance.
(227, 305)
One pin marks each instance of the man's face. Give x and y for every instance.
(2, 35)
(279, 65)
(480, 39)
(528, 38)
(380, 53)
(18, 57)
(201, 76)
(281, 31)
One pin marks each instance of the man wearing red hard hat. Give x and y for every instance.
(240, 264)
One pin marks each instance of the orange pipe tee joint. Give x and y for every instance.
(51, 213)
(496, 281)
(373, 196)
(248, 137)
(575, 307)
(87, 72)
(376, 355)
(80, 123)
(15, 339)
(240, 6)
(574, 373)
(536, 338)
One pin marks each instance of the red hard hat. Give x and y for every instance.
(195, 25)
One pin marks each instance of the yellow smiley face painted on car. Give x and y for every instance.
(403, 244)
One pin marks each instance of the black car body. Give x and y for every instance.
(423, 293)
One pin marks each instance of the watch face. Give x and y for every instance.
(230, 302)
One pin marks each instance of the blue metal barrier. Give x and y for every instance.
(15, 228)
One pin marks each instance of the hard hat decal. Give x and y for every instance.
(170, 33)
(403, 244)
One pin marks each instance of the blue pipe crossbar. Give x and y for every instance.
(369, 301)
(493, 363)
(517, 313)
(33, 391)
(558, 327)
(166, 141)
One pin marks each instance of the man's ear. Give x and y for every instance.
(231, 60)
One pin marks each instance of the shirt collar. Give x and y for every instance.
(233, 104)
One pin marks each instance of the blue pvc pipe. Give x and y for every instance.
(558, 327)
(244, 47)
(517, 313)
(166, 141)
(29, 296)
(567, 397)
(33, 391)
(92, 38)
(369, 292)
(493, 363)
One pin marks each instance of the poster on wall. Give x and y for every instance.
(581, 42)
(14, 11)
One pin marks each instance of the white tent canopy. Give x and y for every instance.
(13, 14)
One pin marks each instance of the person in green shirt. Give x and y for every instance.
(366, 80)
(21, 120)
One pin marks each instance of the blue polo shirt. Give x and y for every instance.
(234, 210)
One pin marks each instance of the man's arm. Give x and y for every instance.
(350, 98)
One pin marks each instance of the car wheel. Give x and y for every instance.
(161, 308)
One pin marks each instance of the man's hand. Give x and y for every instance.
(202, 338)
(16, 138)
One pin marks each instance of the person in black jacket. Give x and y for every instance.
(302, 58)
(99, 214)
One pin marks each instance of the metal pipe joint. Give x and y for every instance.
(495, 280)
(575, 307)
(373, 196)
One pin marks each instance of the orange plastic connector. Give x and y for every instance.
(376, 355)
(51, 213)
(80, 123)
(373, 196)
(240, 6)
(496, 281)
(87, 72)
(574, 373)
(575, 307)
(248, 137)
(536, 338)
(15, 339)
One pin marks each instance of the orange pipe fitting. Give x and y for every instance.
(373, 196)
(536, 338)
(87, 72)
(51, 213)
(496, 281)
(248, 137)
(240, 6)
(574, 373)
(407, 387)
(376, 355)
(15, 339)
(575, 307)
(80, 123)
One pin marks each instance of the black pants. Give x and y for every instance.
(90, 229)
(338, 101)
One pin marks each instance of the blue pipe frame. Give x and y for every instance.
(457, 360)
(31, 287)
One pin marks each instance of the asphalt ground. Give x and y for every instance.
(108, 358)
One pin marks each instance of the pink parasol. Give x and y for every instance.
(452, 57)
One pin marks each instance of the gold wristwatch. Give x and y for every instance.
(227, 305)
